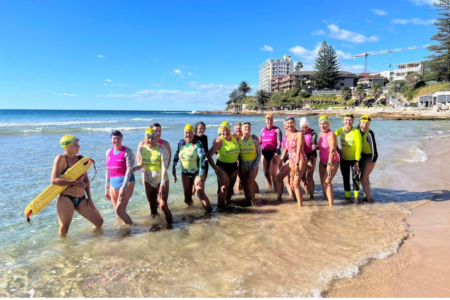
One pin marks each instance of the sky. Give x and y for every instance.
(186, 55)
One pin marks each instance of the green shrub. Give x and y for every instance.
(305, 94)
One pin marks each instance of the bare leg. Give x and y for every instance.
(274, 169)
(230, 186)
(201, 194)
(255, 184)
(266, 171)
(120, 206)
(284, 172)
(248, 186)
(65, 209)
(365, 181)
(310, 179)
(152, 198)
(223, 184)
(188, 184)
(296, 182)
(329, 185)
(323, 177)
(90, 213)
(165, 208)
(238, 183)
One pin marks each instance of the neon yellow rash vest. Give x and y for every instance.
(230, 150)
(248, 149)
(189, 156)
(365, 144)
(151, 158)
(351, 143)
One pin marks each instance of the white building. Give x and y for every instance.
(405, 69)
(386, 74)
(272, 68)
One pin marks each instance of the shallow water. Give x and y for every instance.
(276, 250)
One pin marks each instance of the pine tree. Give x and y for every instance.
(440, 60)
(326, 66)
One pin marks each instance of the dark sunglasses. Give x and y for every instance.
(366, 119)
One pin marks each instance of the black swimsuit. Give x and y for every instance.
(75, 200)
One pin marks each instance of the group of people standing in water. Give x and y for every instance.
(289, 162)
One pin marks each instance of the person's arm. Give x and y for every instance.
(108, 179)
(258, 151)
(373, 145)
(338, 133)
(332, 141)
(169, 152)
(176, 157)
(129, 157)
(140, 164)
(217, 144)
(279, 141)
(358, 148)
(165, 161)
(300, 145)
(201, 158)
(57, 180)
(314, 143)
(138, 153)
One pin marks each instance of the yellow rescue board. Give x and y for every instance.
(44, 198)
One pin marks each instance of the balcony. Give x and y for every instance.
(412, 69)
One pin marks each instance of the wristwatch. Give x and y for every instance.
(297, 164)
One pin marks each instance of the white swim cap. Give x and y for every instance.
(304, 121)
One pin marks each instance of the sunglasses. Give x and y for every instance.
(366, 119)
(348, 115)
(246, 123)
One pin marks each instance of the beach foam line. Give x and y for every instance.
(139, 119)
(418, 156)
(53, 123)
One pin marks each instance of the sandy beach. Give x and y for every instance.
(420, 268)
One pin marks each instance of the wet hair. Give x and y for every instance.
(196, 126)
(154, 125)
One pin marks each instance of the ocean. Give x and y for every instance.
(274, 250)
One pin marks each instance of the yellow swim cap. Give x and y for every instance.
(67, 140)
(224, 125)
(348, 115)
(365, 118)
(324, 118)
(219, 131)
(150, 132)
(189, 127)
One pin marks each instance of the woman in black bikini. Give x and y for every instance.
(77, 197)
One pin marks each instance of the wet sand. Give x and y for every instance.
(421, 266)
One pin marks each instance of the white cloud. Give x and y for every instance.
(349, 36)
(100, 56)
(202, 93)
(190, 74)
(343, 55)
(118, 84)
(318, 32)
(423, 2)
(108, 80)
(64, 94)
(308, 57)
(379, 12)
(368, 21)
(267, 48)
(415, 21)
(105, 84)
(178, 72)
(352, 68)
(155, 84)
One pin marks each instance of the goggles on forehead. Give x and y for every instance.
(366, 119)
(348, 115)
(69, 142)
(246, 123)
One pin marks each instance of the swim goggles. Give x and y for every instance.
(116, 133)
(349, 115)
(289, 118)
(69, 142)
(238, 123)
(366, 119)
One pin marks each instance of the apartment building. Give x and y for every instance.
(389, 75)
(367, 80)
(285, 83)
(405, 69)
(272, 68)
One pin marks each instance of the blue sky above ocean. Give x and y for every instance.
(185, 55)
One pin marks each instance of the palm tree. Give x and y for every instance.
(376, 92)
(244, 88)
(234, 96)
(262, 97)
(298, 66)
(359, 94)
(346, 94)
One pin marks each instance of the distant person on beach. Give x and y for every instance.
(192, 155)
(311, 155)
(158, 129)
(200, 136)
(77, 197)
(271, 139)
(120, 179)
(295, 143)
(329, 159)
(154, 158)
(249, 157)
(226, 164)
(369, 155)
(350, 154)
